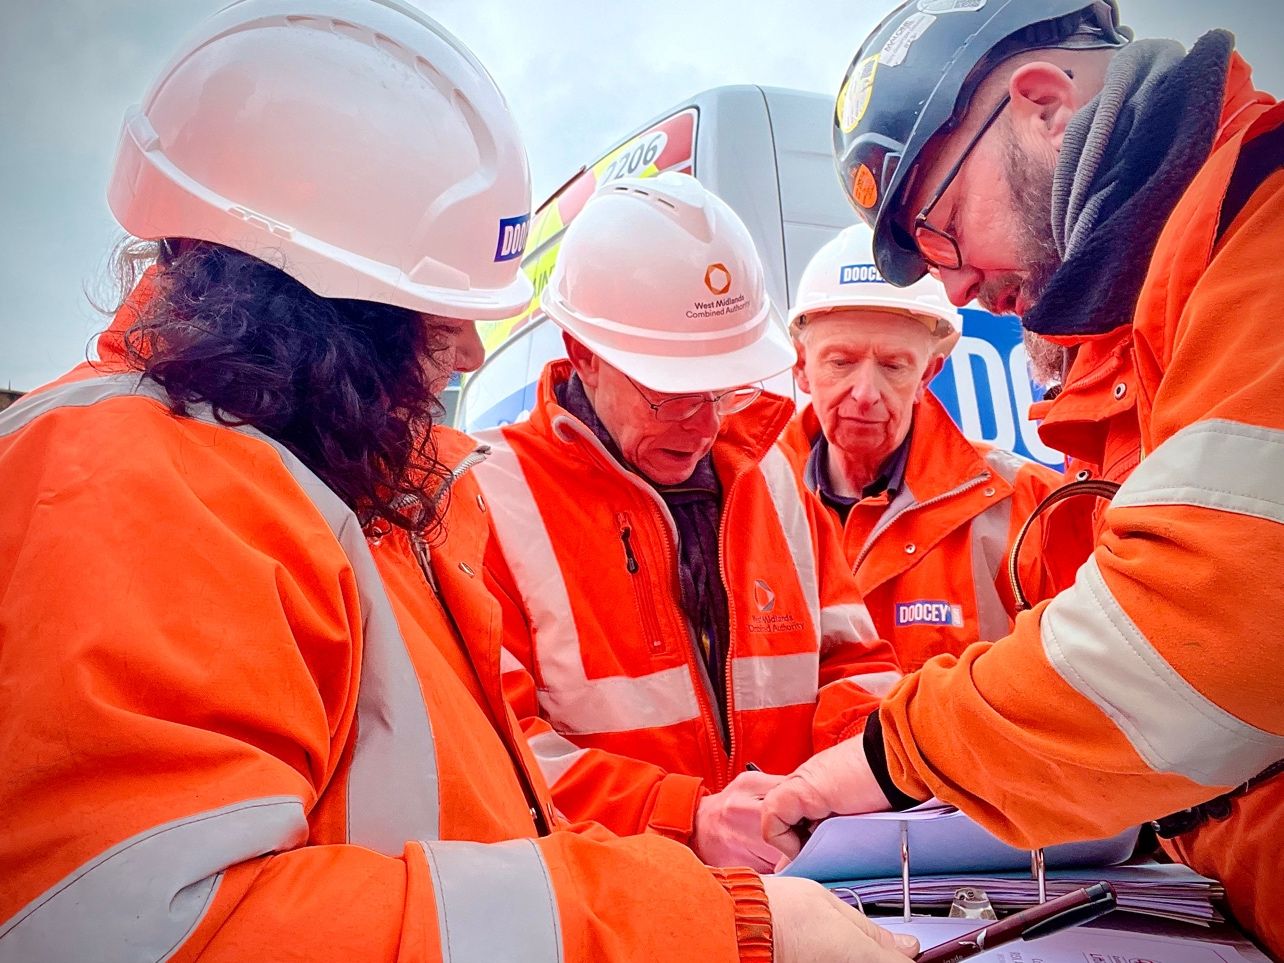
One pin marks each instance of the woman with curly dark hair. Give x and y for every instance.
(236, 720)
(350, 387)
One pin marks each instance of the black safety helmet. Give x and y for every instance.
(914, 77)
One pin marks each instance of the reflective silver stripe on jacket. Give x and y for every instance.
(782, 485)
(556, 755)
(495, 901)
(989, 543)
(1097, 648)
(141, 899)
(1223, 465)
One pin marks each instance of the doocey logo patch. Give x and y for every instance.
(512, 237)
(859, 274)
(927, 612)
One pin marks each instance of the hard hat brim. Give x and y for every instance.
(924, 314)
(769, 355)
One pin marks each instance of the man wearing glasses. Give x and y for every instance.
(678, 611)
(1126, 199)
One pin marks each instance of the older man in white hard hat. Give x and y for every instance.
(680, 608)
(927, 515)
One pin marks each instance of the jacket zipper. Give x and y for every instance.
(731, 633)
(885, 523)
(641, 587)
(419, 548)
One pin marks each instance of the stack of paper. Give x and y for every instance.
(1171, 892)
(863, 856)
(940, 839)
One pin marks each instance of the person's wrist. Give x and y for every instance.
(754, 931)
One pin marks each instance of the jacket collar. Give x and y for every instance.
(940, 458)
(111, 343)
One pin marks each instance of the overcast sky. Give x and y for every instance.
(577, 75)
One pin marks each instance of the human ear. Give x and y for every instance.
(934, 367)
(584, 361)
(800, 368)
(1044, 99)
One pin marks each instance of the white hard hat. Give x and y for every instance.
(354, 144)
(842, 274)
(660, 278)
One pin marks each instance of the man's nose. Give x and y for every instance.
(704, 421)
(864, 386)
(961, 284)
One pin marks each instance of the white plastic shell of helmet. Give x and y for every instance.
(355, 144)
(660, 278)
(842, 274)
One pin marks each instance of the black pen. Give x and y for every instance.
(1074, 908)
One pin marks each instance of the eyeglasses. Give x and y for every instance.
(682, 407)
(940, 248)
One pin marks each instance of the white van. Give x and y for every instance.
(766, 152)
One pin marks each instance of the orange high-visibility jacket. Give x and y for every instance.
(600, 662)
(932, 563)
(1093, 420)
(1154, 683)
(233, 728)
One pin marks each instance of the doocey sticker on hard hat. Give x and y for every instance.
(950, 6)
(853, 99)
(859, 274)
(512, 237)
(903, 37)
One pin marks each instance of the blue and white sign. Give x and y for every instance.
(986, 387)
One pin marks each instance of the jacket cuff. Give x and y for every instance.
(754, 935)
(876, 756)
(673, 812)
(856, 727)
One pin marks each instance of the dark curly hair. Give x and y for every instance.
(341, 383)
